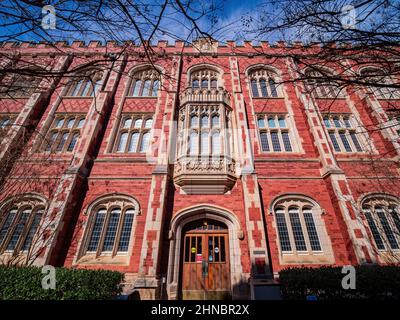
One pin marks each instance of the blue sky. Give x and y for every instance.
(227, 26)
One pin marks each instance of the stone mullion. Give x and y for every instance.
(223, 137)
(119, 231)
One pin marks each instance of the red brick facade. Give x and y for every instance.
(334, 183)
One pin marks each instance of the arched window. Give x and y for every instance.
(22, 84)
(110, 226)
(85, 84)
(380, 82)
(382, 215)
(144, 83)
(20, 224)
(134, 133)
(300, 228)
(321, 85)
(206, 78)
(262, 83)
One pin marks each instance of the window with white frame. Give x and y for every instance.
(64, 133)
(297, 227)
(274, 133)
(383, 217)
(109, 227)
(263, 84)
(380, 82)
(134, 133)
(321, 85)
(19, 223)
(342, 131)
(144, 83)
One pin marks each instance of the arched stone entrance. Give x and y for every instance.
(179, 225)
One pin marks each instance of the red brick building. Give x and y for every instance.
(199, 175)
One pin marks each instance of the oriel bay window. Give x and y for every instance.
(203, 133)
(343, 133)
(274, 133)
(134, 133)
(64, 133)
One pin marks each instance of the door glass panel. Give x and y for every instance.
(193, 250)
(216, 249)
(199, 251)
(187, 248)
(222, 249)
(210, 249)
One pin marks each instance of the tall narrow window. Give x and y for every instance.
(374, 230)
(254, 88)
(147, 88)
(134, 133)
(145, 142)
(263, 85)
(216, 143)
(311, 230)
(111, 231)
(97, 228)
(297, 229)
(193, 149)
(204, 143)
(137, 88)
(272, 87)
(282, 230)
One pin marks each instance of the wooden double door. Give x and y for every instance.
(205, 267)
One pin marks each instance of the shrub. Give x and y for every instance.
(372, 282)
(71, 284)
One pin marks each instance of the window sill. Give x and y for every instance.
(268, 98)
(77, 97)
(141, 97)
(91, 259)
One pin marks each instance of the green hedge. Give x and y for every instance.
(372, 282)
(71, 284)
